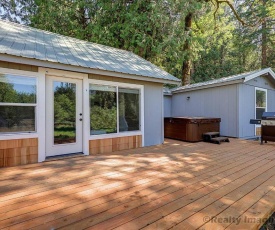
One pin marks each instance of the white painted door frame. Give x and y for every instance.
(60, 149)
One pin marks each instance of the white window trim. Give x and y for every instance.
(128, 133)
(38, 119)
(264, 90)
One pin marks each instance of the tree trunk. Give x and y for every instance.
(186, 65)
(264, 40)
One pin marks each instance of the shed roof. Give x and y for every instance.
(24, 41)
(244, 77)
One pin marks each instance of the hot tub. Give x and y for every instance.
(190, 128)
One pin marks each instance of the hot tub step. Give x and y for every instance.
(218, 140)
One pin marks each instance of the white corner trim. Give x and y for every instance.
(16, 136)
(259, 73)
(115, 135)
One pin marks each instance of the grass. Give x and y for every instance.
(269, 224)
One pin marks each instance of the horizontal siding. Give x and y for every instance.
(18, 66)
(116, 79)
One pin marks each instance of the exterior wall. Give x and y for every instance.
(167, 106)
(220, 102)
(18, 152)
(18, 149)
(247, 103)
(16, 66)
(153, 114)
(153, 108)
(114, 144)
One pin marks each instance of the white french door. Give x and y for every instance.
(63, 116)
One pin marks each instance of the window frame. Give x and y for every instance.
(23, 74)
(141, 115)
(255, 111)
(40, 98)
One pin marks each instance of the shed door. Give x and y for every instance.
(63, 116)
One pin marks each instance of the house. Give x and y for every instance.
(60, 95)
(235, 99)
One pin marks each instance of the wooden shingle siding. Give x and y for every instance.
(117, 79)
(18, 152)
(17, 66)
(115, 144)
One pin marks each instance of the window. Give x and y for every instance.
(114, 109)
(260, 103)
(128, 109)
(103, 109)
(17, 104)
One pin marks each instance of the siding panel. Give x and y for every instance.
(220, 102)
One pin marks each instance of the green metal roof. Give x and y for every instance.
(24, 41)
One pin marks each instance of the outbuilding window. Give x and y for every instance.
(260, 102)
(17, 103)
(114, 109)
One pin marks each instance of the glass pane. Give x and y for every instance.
(259, 112)
(17, 119)
(260, 98)
(64, 112)
(128, 109)
(103, 106)
(16, 89)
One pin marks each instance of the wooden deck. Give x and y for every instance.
(177, 185)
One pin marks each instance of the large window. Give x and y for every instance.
(17, 103)
(114, 109)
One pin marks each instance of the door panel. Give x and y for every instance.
(63, 116)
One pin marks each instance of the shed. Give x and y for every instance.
(60, 95)
(235, 99)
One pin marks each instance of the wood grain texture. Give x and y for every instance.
(18, 152)
(123, 80)
(170, 186)
(18, 66)
(115, 144)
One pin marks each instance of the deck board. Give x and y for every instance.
(175, 185)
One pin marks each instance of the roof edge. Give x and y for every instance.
(79, 69)
(207, 86)
(259, 73)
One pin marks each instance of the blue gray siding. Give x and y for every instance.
(167, 105)
(221, 102)
(247, 103)
(153, 108)
(153, 114)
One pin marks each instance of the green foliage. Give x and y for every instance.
(104, 119)
(155, 30)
